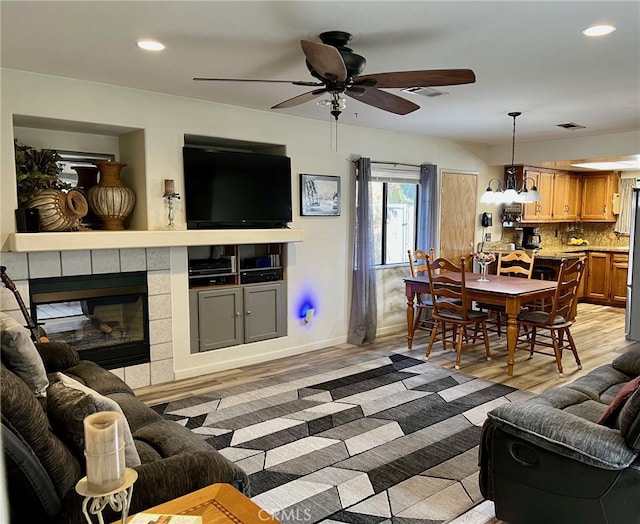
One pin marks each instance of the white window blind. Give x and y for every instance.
(400, 174)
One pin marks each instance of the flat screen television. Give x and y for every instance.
(236, 190)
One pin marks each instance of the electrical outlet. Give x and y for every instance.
(487, 237)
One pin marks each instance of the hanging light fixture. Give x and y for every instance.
(511, 192)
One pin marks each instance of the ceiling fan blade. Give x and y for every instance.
(326, 60)
(294, 82)
(382, 100)
(300, 99)
(428, 78)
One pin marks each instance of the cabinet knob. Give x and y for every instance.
(248, 311)
(237, 313)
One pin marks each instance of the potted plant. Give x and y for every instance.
(60, 208)
(36, 169)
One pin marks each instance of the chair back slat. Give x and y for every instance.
(447, 293)
(418, 261)
(518, 264)
(564, 300)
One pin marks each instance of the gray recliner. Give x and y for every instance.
(552, 458)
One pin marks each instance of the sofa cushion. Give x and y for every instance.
(610, 416)
(57, 356)
(70, 402)
(628, 363)
(21, 356)
(23, 413)
(97, 378)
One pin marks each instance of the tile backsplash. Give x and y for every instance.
(558, 234)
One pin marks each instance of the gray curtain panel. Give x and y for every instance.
(428, 208)
(363, 321)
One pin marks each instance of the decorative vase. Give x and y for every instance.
(111, 200)
(87, 178)
(483, 271)
(59, 211)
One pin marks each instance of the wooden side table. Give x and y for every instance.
(217, 504)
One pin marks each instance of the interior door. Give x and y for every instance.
(457, 214)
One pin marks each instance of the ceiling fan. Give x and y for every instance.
(339, 70)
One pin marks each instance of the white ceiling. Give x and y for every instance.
(527, 56)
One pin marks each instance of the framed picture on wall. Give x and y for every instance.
(319, 195)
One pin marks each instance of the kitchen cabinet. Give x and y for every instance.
(233, 315)
(540, 211)
(597, 196)
(566, 196)
(606, 278)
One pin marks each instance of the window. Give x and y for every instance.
(394, 204)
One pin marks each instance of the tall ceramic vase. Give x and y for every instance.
(87, 178)
(111, 200)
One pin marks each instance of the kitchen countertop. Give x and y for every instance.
(560, 252)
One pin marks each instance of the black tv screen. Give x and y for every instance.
(236, 190)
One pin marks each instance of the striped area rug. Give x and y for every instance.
(391, 439)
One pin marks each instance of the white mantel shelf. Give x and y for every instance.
(66, 241)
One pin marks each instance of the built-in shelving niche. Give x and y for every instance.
(126, 144)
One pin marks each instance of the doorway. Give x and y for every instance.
(458, 192)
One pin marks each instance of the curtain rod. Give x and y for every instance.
(395, 164)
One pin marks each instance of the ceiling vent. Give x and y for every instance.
(424, 91)
(571, 126)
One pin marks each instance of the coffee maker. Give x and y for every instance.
(532, 239)
(519, 240)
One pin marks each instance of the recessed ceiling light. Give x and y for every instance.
(150, 45)
(599, 30)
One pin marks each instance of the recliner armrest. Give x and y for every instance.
(565, 434)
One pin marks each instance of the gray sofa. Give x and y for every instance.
(570, 454)
(43, 438)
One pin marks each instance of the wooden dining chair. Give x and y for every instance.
(555, 324)
(451, 305)
(424, 308)
(513, 264)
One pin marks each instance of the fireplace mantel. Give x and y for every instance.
(66, 241)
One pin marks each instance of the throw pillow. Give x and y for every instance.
(21, 356)
(610, 416)
(69, 402)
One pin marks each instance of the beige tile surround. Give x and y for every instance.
(155, 261)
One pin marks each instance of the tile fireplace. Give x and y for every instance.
(92, 265)
(103, 316)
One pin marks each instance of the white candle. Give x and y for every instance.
(169, 187)
(104, 451)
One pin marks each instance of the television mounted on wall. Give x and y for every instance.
(225, 189)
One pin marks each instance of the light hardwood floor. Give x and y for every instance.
(598, 333)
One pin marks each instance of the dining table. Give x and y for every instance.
(510, 292)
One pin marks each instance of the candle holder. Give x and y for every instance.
(171, 226)
(118, 499)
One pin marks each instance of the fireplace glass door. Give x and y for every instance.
(103, 316)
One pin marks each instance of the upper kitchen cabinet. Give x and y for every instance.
(597, 196)
(566, 196)
(541, 210)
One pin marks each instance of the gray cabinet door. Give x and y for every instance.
(264, 311)
(220, 318)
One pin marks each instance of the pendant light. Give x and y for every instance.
(511, 192)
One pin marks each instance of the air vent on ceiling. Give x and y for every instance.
(572, 126)
(424, 91)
